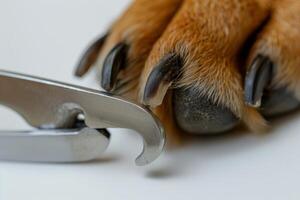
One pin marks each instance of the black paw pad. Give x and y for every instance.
(196, 114)
(277, 102)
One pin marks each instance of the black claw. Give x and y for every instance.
(89, 57)
(257, 79)
(165, 72)
(113, 63)
(196, 114)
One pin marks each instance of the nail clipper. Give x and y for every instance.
(70, 121)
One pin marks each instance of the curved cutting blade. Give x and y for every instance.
(43, 102)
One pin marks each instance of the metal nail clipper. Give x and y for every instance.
(70, 121)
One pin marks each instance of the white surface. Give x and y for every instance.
(45, 38)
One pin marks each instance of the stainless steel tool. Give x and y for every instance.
(70, 121)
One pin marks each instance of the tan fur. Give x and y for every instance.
(165, 114)
(280, 40)
(139, 27)
(209, 35)
(254, 121)
(208, 39)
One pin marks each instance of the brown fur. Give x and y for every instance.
(209, 41)
(280, 40)
(139, 27)
(209, 35)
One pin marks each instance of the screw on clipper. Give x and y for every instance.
(54, 107)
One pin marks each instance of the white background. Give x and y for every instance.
(45, 38)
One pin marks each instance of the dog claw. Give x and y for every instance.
(257, 79)
(89, 57)
(161, 78)
(113, 63)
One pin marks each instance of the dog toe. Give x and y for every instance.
(272, 80)
(197, 114)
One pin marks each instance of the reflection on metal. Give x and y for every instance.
(54, 108)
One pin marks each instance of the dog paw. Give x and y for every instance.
(273, 74)
(204, 66)
(122, 52)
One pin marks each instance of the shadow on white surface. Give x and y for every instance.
(45, 38)
(198, 153)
